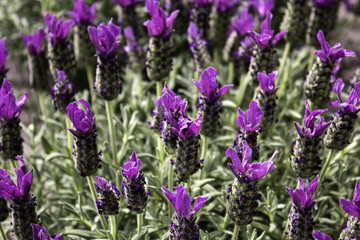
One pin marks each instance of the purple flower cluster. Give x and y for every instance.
(9, 108)
(84, 123)
(34, 42)
(251, 120)
(108, 203)
(302, 197)
(83, 15)
(224, 5)
(127, 3)
(261, 6)
(40, 233)
(267, 82)
(243, 24)
(58, 30)
(3, 55)
(352, 207)
(351, 103)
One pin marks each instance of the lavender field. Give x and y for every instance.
(181, 120)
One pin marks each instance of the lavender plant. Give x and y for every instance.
(352, 229)
(40, 233)
(109, 196)
(317, 235)
(3, 55)
(200, 15)
(62, 92)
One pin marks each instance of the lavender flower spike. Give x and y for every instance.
(209, 101)
(184, 222)
(134, 183)
(249, 124)
(305, 159)
(62, 92)
(61, 53)
(342, 127)
(108, 203)
(301, 222)
(352, 208)
(317, 235)
(159, 51)
(85, 148)
(40, 233)
(34, 42)
(21, 200)
(83, 15)
(106, 40)
(243, 195)
(3, 55)
(264, 57)
(200, 15)
(318, 84)
(10, 129)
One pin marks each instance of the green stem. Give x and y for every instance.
(139, 224)
(231, 72)
(236, 232)
(161, 152)
(109, 115)
(327, 163)
(240, 94)
(170, 187)
(226, 221)
(13, 164)
(43, 106)
(283, 79)
(311, 59)
(113, 229)
(3, 235)
(94, 196)
(70, 143)
(283, 60)
(203, 153)
(159, 88)
(90, 78)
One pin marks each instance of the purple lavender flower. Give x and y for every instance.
(209, 103)
(317, 235)
(267, 82)
(184, 223)
(108, 203)
(40, 233)
(134, 183)
(224, 5)
(21, 200)
(3, 55)
(34, 42)
(350, 104)
(62, 92)
(58, 30)
(261, 6)
(300, 217)
(83, 14)
(85, 148)
(201, 2)
(305, 158)
(9, 108)
(200, 15)
(127, 3)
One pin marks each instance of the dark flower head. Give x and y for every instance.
(350, 104)
(267, 82)
(245, 169)
(302, 197)
(208, 85)
(173, 104)
(34, 41)
(185, 127)
(12, 191)
(9, 108)
(105, 39)
(328, 4)
(58, 30)
(261, 6)
(159, 26)
(83, 122)
(103, 184)
(131, 168)
(224, 5)
(328, 54)
(3, 55)
(83, 15)
(251, 120)
(267, 38)
(40, 233)
(243, 24)
(127, 3)
(352, 207)
(182, 202)
(317, 235)
(313, 126)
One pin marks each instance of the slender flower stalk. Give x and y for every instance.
(318, 84)
(159, 51)
(62, 92)
(10, 129)
(244, 193)
(3, 55)
(200, 15)
(342, 126)
(22, 202)
(184, 224)
(37, 60)
(305, 159)
(301, 222)
(40, 233)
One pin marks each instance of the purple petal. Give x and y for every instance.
(338, 87)
(317, 235)
(199, 202)
(350, 208)
(223, 90)
(170, 195)
(356, 199)
(230, 152)
(183, 201)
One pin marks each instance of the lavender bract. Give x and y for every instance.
(10, 129)
(318, 84)
(83, 15)
(60, 50)
(62, 92)
(108, 83)
(243, 195)
(85, 148)
(22, 202)
(134, 183)
(3, 55)
(261, 6)
(109, 196)
(305, 159)
(40, 233)
(317, 235)
(352, 208)
(301, 222)
(37, 59)
(209, 101)
(184, 223)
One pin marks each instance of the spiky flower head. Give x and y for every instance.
(134, 183)
(40, 233)
(317, 235)
(127, 3)
(83, 14)
(58, 30)
(224, 5)
(266, 38)
(261, 6)
(34, 42)
(160, 26)
(62, 92)
(3, 55)
(184, 223)
(251, 120)
(267, 82)
(84, 122)
(108, 203)
(9, 108)
(302, 197)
